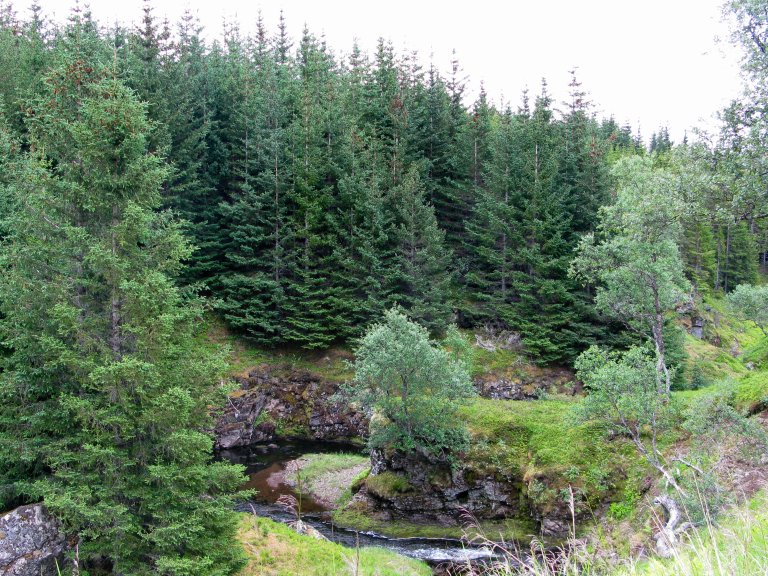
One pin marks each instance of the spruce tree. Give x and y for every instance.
(698, 252)
(107, 394)
(312, 316)
(260, 227)
(423, 259)
(740, 256)
(493, 232)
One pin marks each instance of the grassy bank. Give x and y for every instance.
(736, 547)
(329, 477)
(274, 549)
(539, 442)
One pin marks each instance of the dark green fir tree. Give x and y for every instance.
(107, 394)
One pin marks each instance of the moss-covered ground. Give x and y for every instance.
(274, 549)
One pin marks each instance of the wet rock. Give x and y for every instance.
(277, 401)
(31, 542)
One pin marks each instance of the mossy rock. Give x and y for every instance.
(387, 485)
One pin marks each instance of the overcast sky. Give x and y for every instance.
(649, 62)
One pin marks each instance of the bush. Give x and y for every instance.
(412, 387)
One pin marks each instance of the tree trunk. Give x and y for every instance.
(115, 338)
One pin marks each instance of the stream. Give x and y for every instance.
(263, 461)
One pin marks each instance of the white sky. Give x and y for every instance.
(648, 62)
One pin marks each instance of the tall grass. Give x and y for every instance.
(736, 547)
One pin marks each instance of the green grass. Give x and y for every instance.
(752, 392)
(727, 345)
(713, 362)
(736, 547)
(388, 484)
(539, 441)
(485, 361)
(316, 465)
(517, 529)
(274, 549)
(330, 364)
(757, 353)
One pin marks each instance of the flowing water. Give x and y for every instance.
(265, 462)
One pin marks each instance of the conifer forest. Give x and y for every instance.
(522, 311)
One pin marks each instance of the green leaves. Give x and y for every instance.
(751, 303)
(635, 262)
(411, 386)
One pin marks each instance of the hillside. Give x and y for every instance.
(557, 463)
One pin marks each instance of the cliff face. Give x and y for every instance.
(278, 402)
(421, 488)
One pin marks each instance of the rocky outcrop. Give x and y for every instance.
(529, 384)
(280, 402)
(277, 401)
(31, 542)
(425, 489)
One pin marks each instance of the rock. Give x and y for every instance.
(438, 493)
(528, 385)
(297, 400)
(554, 527)
(686, 307)
(697, 327)
(301, 527)
(31, 543)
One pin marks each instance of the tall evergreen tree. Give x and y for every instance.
(106, 393)
(261, 231)
(423, 259)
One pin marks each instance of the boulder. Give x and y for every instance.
(31, 542)
(697, 327)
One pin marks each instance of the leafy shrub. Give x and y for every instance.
(622, 510)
